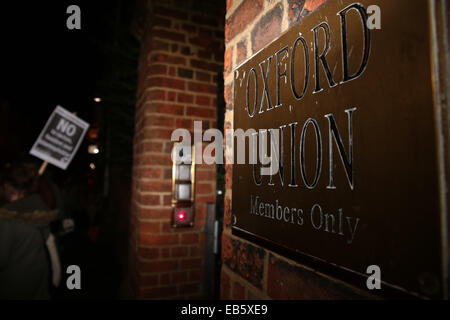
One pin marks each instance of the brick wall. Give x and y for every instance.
(181, 56)
(250, 271)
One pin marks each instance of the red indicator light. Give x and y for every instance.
(182, 217)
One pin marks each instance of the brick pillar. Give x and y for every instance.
(180, 59)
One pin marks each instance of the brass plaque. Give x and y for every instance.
(357, 183)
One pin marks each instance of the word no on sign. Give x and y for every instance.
(60, 138)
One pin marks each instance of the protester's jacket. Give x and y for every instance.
(24, 272)
(30, 210)
(24, 269)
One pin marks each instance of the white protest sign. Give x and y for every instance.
(60, 139)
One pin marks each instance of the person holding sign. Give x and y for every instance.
(25, 237)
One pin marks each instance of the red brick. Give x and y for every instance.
(167, 226)
(195, 275)
(203, 188)
(189, 28)
(150, 173)
(167, 174)
(159, 121)
(150, 200)
(189, 238)
(205, 166)
(178, 252)
(311, 5)
(228, 176)
(209, 66)
(165, 252)
(286, 281)
(161, 22)
(185, 50)
(175, 36)
(200, 112)
(163, 102)
(164, 278)
(184, 123)
(148, 280)
(157, 69)
(229, 4)
(201, 216)
(165, 58)
(203, 100)
(146, 213)
(149, 227)
(156, 186)
(152, 146)
(241, 52)
(295, 11)
(238, 291)
(202, 87)
(224, 286)
(157, 293)
(185, 98)
(268, 28)
(189, 288)
(227, 213)
(179, 277)
(228, 61)
(165, 83)
(164, 239)
(157, 266)
(171, 96)
(206, 42)
(241, 17)
(202, 76)
(204, 199)
(158, 159)
(155, 95)
(196, 251)
(244, 259)
(159, 45)
(166, 108)
(148, 253)
(228, 94)
(185, 73)
(191, 263)
(160, 133)
(167, 200)
(168, 147)
(206, 175)
(204, 54)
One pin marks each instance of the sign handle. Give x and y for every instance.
(42, 168)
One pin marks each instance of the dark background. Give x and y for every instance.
(44, 64)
